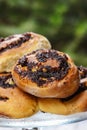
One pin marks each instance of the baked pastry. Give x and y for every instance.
(73, 104)
(46, 73)
(15, 46)
(15, 103)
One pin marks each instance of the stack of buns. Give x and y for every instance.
(35, 77)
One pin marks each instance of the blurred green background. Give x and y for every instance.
(63, 22)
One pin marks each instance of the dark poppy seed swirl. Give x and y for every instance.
(6, 80)
(15, 43)
(40, 73)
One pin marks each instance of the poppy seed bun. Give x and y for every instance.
(15, 103)
(73, 104)
(46, 73)
(15, 46)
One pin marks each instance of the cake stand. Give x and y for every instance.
(41, 119)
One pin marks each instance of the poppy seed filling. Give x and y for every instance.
(6, 81)
(3, 98)
(83, 71)
(14, 44)
(42, 74)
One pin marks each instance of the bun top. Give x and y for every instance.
(17, 40)
(43, 66)
(13, 41)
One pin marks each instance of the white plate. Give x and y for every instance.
(43, 119)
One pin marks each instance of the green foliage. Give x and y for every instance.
(63, 22)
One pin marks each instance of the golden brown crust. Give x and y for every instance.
(13, 47)
(73, 104)
(14, 103)
(52, 105)
(46, 73)
(57, 106)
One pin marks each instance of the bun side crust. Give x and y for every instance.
(57, 106)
